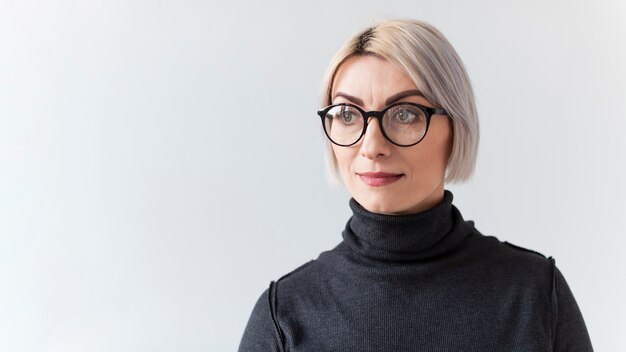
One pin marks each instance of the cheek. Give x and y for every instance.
(344, 159)
(430, 160)
(437, 154)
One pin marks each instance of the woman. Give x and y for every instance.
(411, 274)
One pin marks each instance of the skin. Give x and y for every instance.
(370, 81)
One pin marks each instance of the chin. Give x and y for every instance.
(379, 204)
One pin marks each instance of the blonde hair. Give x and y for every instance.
(426, 56)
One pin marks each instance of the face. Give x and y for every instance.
(418, 171)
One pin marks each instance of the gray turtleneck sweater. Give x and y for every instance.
(423, 282)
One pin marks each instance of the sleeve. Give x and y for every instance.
(570, 332)
(262, 333)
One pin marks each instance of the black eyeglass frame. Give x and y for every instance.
(428, 111)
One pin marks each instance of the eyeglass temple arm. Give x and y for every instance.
(439, 111)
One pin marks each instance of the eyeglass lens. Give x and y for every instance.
(403, 124)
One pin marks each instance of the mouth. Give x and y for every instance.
(379, 178)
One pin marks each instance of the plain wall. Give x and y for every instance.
(162, 162)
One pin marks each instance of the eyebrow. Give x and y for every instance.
(407, 93)
(392, 99)
(348, 97)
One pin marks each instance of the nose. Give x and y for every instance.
(374, 144)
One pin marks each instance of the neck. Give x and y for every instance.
(405, 237)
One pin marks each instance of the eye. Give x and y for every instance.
(405, 114)
(347, 115)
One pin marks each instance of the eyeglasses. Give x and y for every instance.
(403, 124)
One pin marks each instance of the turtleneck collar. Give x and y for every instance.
(405, 237)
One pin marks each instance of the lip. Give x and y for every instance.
(379, 178)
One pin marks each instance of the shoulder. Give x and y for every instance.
(522, 255)
(503, 258)
(492, 248)
(310, 275)
(303, 270)
(308, 284)
(303, 278)
(299, 278)
(525, 252)
(510, 262)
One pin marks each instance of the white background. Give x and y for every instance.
(161, 161)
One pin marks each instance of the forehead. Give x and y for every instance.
(370, 78)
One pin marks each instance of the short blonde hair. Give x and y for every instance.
(426, 56)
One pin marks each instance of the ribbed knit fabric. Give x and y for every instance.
(423, 282)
